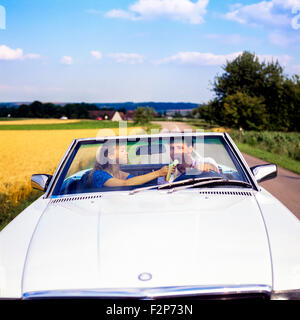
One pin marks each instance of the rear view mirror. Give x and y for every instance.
(40, 181)
(150, 149)
(264, 172)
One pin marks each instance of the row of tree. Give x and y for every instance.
(38, 109)
(254, 95)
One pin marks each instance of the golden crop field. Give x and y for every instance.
(24, 153)
(38, 121)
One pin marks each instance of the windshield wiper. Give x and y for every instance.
(176, 184)
(188, 182)
(221, 182)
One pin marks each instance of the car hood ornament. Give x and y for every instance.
(145, 276)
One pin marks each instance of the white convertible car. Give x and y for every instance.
(153, 217)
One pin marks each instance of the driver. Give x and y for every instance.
(107, 172)
(189, 160)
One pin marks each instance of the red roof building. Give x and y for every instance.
(107, 115)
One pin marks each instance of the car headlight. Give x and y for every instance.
(286, 295)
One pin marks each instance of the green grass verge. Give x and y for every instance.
(281, 148)
(84, 124)
(281, 161)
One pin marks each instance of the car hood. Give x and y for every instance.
(147, 240)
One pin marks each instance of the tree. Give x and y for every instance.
(291, 98)
(143, 115)
(243, 74)
(5, 111)
(241, 110)
(255, 95)
(209, 112)
(38, 109)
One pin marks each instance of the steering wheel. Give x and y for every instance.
(199, 174)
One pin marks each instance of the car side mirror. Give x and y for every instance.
(40, 181)
(264, 172)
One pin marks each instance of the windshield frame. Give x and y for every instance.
(71, 152)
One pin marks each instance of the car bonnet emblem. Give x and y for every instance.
(145, 276)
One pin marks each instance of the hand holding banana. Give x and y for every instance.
(172, 172)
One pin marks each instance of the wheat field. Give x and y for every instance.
(24, 153)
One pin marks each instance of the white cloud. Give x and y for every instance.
(66, 60)
(7, 53)
(131, 58)
(182, 10)
(211, 59)
(96, 54)
(287, 4)
(198, 58)
(272, 13)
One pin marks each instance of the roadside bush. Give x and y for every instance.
(283, 143)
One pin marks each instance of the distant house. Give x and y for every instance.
(106, 115)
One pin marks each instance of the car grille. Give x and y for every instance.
(230, 193)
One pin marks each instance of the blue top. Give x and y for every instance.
(100, 177)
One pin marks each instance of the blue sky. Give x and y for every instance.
(136, 50)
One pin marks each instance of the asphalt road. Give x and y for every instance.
(173, 126)
(285, 187)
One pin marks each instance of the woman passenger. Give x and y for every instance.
(106, 171)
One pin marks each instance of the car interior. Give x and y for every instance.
(146, 158)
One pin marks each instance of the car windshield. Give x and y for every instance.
(132, 163)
